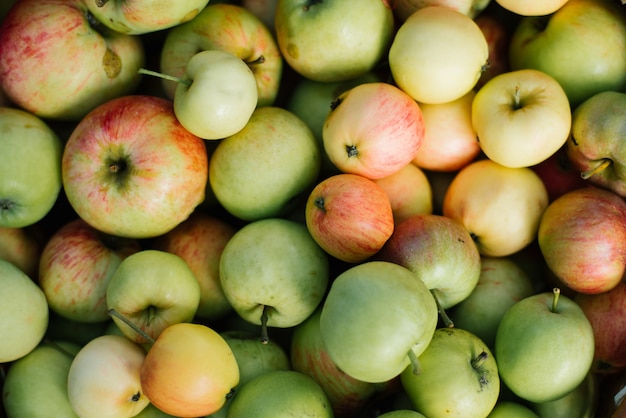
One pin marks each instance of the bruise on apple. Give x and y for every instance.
(111, 63)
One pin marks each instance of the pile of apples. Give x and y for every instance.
(321, 208)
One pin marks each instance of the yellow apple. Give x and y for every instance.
(532, 7)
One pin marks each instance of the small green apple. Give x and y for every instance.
(510, 409)
(402, 413)
(582, 402)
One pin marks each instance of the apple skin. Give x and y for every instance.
(544, 347)
(351, 42)
(31, 168)
(130, 169)
(597, 129)
(511, 409)
(559, 174)
(582, 402)
(84, 67)
(22, 247)
(229, 28)
(580, 45)
(532, 8)
(75, 267)
(24, 313)
(606, 312)
(521, 117)
(500, 206)
(349, 216)
(582, 237)
(138, 17)
(402, 9)
(373, 129)
(263, 170)
(200, 241)
(263, 9)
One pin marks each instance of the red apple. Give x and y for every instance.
(582, 236)
(59, 63)
(559, 174)
(22, 247)
(349, 216)
(130, 168)
(76, 265)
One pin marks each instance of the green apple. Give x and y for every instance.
(458, 376)
(137, 17)
(24, 313)
(260, 171)
(36, 384)
(280, 393)
(31, 168)
(502, 282)
(521, 117)
(580, 45)
(153, 289)
(510, 409)
(544, 347)
(438, 54)
(402, 413)
(273, 273)
(333, 40)
(229, 28)
(376, 319)
(594, 145)
(582, 402)
(151, 411)
(103, 379)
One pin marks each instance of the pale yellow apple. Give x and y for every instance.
(438, 54)
(500, 206)
(409, 192)
(449, 143)
(521, 117)
(402, 9)
(532, 7)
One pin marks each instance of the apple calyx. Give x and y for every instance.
(352, 151)
(555, 300)
(477, 363)
(601, 165)
(447, 321)
(319, 203)
(114, 313)
(311, 3)
(165, 76)
(6, 205)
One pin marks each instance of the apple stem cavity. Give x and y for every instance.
(604, 163)
(555, 300)
(442, 312)
(114, 313)
(416, 367)
(265, 339)
(165, 76)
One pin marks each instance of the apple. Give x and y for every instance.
(511, 409)
(544, 347)
(458, 376)
(76, 264)
(262, 170)
(582, 237)
(58, 63)
(606, 312)
(438, 54)
(31, 165)
(351, 42)
(189, 371)
(22, 247)
(36, 384)
(356, 315)
(581, 402)
(373, 129)
(440, 252)
(200, 241)
(103, 378)
(502, 283)
(130, 169)
(521, 117)
(449, 142)
(593, 147)
(401, 413)
(273, 273)
(23, 314)
(409, 192)
(137, 17)
(349, 216)
(153, 289)
(280, 393)
(309, 356)
(402, 9)
(559, 174)
(580, 45)
(263, 9)
(532, 8)
(216, 96)
(500, 206)
(497, 29)
(230, 28)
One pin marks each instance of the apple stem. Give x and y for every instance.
(442, 312)
(416, 367)
(101, 3)
(265, 339)
(165, 76)
(555, 299)
(259, 60)
(479, 359)
(517, 102)
(604, 163)
(114, 313)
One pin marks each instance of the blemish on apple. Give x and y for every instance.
(111, 63)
